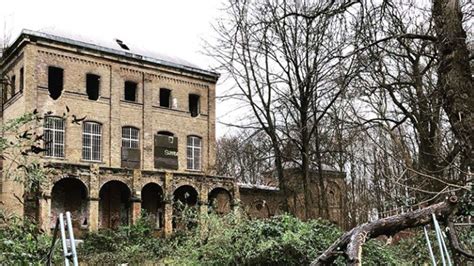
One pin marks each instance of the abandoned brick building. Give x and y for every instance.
(139, 135)
(146, 140)
(266, 199)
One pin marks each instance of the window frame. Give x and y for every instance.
(22, 79)
(130, 139)
(98, 85)
(198, 104)
(55, 131)
(91, 141)
(13, 85)
(170, 99)
(59, 69)
(135, 92)
(193, 148)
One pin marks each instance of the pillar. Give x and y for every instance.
(94, 187)
(168, 202)
(236, 200)
(203, 209)
(136, 202)
(44, 212)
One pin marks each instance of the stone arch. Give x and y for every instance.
(152, 203)
(114, 204)
(70, 194)
(184, 196)
(220, 200)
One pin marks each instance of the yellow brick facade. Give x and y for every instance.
(35, 53)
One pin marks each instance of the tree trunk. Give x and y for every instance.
(353, 240)
(454, 73)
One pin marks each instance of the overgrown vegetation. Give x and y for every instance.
(225, 240)
(21, 242)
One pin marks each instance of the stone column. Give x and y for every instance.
(236, 199)
(168, 202)
(44, 213)
(44, 206)
(203, 208)
(136, 203)
(93, 218)
(94, 187)
(136, 199)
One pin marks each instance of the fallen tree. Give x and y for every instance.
(350, 243)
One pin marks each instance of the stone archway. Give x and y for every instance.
(114, 204)
(70, 194)
(220, 201)
(183, 197)
(152, 203)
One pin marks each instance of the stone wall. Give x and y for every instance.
(266, 201)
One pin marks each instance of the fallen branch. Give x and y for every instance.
(353, 240)
(454, 241)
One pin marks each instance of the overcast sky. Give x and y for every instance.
(176, 27)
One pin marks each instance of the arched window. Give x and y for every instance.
(131, 147)
(54, 136)
(92, 141)
(193, 152)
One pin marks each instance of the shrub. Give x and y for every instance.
(128, 244)
(282, 240)
(22, 243)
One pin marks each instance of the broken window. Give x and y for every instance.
(165, 98)
(13, 85)
(91, 141)
(193, 153)
(92, 86)
(194, 104)
(55, 82)
(130, 91)
(54, 136)
(22, 77)
(130, 148)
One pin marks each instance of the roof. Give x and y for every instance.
(119, 48)
(313, 166)
(256, 186)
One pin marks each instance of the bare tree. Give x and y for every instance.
(285, 57)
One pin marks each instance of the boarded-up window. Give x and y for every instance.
(130, 148)
(55, 82)
(165, 98)
(193, 153)
(13, 85)
(54, 136)
(166, 152)
(93, 86)
(130, 91)
(22, 79)
(194, 105)
(92, 141)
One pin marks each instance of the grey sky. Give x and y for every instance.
(175, 28)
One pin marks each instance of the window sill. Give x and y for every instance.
(194, 171)
(89, 161)
(131, 102)
(54, 158)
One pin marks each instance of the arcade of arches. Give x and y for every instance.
(110, 202)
